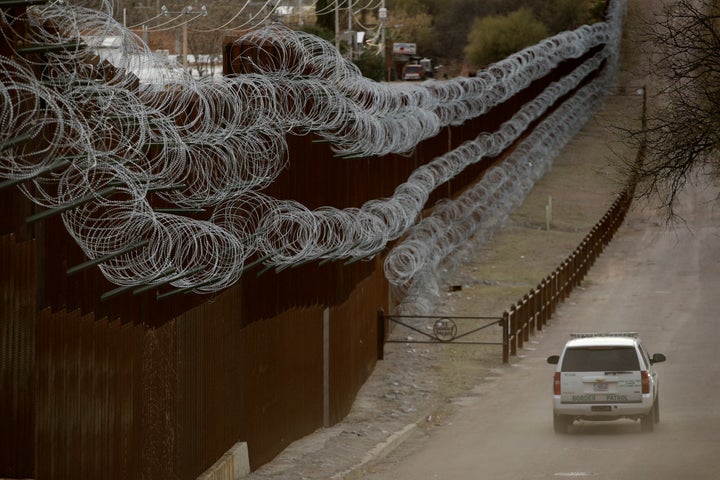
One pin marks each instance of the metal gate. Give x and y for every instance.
(442, 329)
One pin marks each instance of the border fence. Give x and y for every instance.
(139, 384)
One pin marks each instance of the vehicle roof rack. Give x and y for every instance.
(604, 334)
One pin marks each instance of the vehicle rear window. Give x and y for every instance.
(596, 359)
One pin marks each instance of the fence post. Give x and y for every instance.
(380, 334)
(520, 322)
(597, 236)
(539, 309)
(506, 337)
(567, 286)
(575, 269)
(528, 322)
(513, 330)
(555, 289)
(547, 299)
(561, 281)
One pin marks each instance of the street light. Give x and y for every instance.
(185, 11)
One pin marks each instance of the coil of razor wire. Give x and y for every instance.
(115, 133)
(467, 222)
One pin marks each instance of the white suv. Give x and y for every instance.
(605, 376)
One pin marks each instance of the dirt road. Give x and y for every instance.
(660, 282)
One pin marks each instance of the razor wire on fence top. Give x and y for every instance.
(95, 141)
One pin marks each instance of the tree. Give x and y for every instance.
(371, 65)
(559, 15)
(449, 23)
(682, 136)
(452, 20)
(495, 37)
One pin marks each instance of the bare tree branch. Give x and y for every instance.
(681, 133)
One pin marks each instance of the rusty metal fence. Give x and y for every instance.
(134, 386)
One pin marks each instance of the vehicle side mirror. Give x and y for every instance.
(657, 358)
(554, 359)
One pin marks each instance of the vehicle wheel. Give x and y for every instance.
(657, 410)
(561, 423)
(647, 422)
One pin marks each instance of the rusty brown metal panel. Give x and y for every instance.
(317, 178)
(17, 358)
(221, 377)
(209, 384)
(353, 341)
(191, 387)
(85, 400)
(272, 293)
(50, 393)
(43, 363)
(262, 382)
(282, 376)
(158, 407)
(128, 419)
(15, 207)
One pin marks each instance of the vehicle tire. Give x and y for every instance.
(647, 422)
(561, 423)
(657, 410)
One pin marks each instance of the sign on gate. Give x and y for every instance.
(445, 330)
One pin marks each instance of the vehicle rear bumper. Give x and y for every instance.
(603, 410)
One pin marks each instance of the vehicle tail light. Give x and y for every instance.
(645, 379)
(556, 384)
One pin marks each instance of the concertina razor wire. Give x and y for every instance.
(104, 144)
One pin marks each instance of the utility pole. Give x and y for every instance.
(185, 11)
(351, 34)
(350, 16)
(337, 24)
(382, 14)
